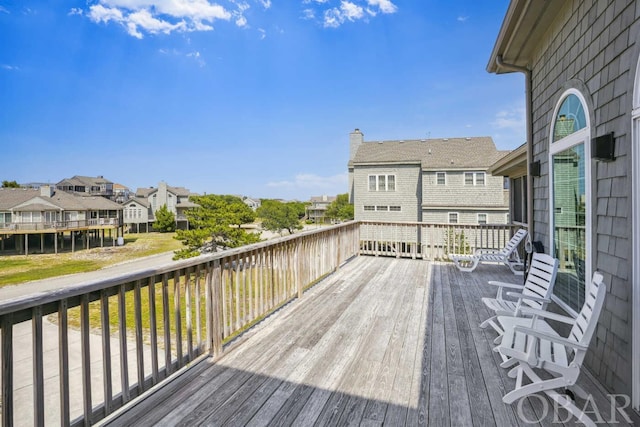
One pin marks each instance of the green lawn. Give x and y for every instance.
(15, 269)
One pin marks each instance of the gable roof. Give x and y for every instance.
(178, 191)
(85, 180)
(441, 153)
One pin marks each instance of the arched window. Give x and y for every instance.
(570, 198)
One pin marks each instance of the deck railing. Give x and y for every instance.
(60, 225)
(420, 240)
(117, 338)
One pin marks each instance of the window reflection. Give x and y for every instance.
(569, 224)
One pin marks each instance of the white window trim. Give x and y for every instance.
(582, 136)
(445, 178)
(386, 182)
(457, 217)
(486, 218)
(475, 178)
(635, 272)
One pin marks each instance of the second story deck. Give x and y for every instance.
(382, 341)
(302, 330)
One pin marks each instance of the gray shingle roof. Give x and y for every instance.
(442, 153)
(12, 197)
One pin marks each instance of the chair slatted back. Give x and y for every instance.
(541, 279)
(512, 245)
(585, 325)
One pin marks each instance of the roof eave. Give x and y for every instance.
(524, 24)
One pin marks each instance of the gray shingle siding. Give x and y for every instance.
(415, 163)
(406, 194)
(591, 47)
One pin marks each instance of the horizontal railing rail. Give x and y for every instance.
(115, 339)
(431, 241)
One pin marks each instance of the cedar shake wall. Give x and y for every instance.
(591, 47)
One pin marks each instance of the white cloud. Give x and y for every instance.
(75, 11)
(265, 3)
(9, 67)
(510, 119)
(263, 33)
(348, 11)
(195, 55)
(314, 182)
(241, 21)
(308, 14)
(162, 16)
(385, 6)
(462, 18)
(99, 13)
(4, 10)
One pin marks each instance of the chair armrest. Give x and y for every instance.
(553, 338)
(505, 284)
(527, 311)
(529, 297)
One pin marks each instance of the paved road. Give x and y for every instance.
(37, 286)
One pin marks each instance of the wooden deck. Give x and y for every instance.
(382, 341)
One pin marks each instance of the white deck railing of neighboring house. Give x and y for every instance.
(119, 337)
(61, 225)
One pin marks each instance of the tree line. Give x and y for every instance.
(217, 222)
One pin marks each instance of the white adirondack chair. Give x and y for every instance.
(507, 256)
(535, 293)
(537, 346)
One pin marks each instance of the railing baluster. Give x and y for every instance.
(216, 302)
(38, 366)
(177, 316)
(225, 289)
(153, 331)
(166, 324)
(106, 351)
(198, 300)
(7, 370)
(124, 357)
(63, 361)
(187, 298)
(86, 357)
(137, 302)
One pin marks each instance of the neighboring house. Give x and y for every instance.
(87, 186)
(317, 208)
(254, 204)
(44, 211)
(581, 62)
(443, 180)
(141, 209)
(121, 193)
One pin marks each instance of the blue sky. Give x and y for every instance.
(251, 97)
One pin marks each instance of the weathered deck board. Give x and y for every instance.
(382, 341)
